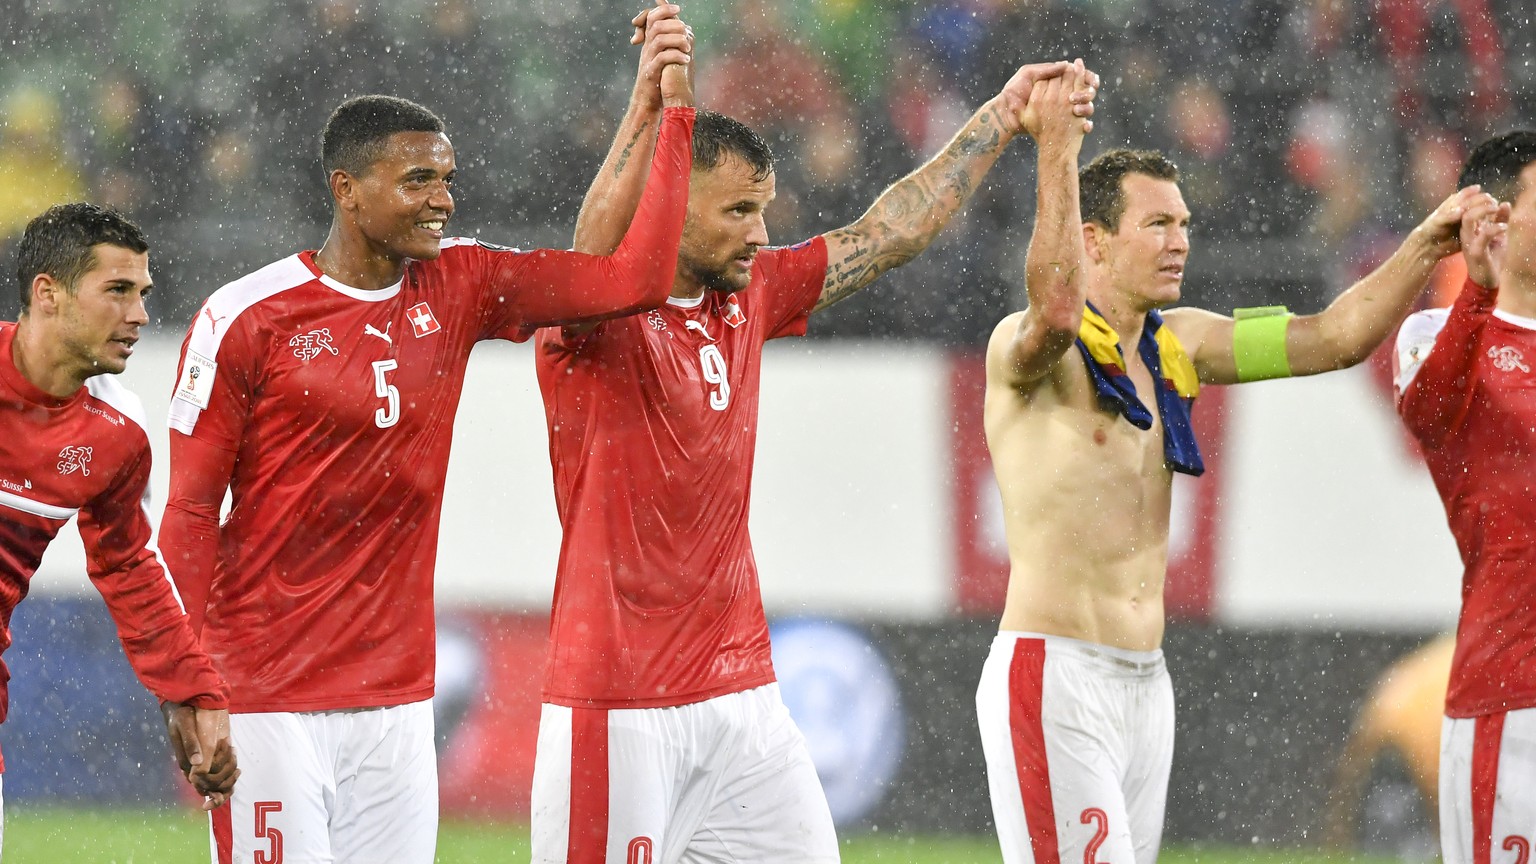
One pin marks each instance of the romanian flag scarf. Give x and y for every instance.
(1177, 384)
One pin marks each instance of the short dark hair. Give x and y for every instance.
(61, 242)
(1496, 164)
(354, 137)
(1101, 191)
(716, 136)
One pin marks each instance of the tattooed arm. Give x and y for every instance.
(908, 215)
(611, 200)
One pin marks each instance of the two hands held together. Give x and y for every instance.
(200, 742)
(1052, 102)
(666, 56)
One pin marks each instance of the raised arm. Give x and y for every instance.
(908, 215)
(1230, 350)
(573, 288)
(1435, 370)
(1026, 345)
(610, 202)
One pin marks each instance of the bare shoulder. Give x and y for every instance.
(999, 346)
(1191, 318)
(1194, 325)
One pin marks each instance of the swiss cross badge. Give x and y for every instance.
(423, 322)
(733, 314)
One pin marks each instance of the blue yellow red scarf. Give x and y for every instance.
(1169, 365)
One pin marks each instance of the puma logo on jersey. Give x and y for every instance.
(423, 322)
(1506, 359)
(307, 346)
(370, 330)
(72, 459)
(213, 322)
(694, 325)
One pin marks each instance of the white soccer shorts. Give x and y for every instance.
(725, 780)
(354, 786)
(1488, 788)
(1078, 739)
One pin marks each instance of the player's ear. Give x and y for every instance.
(1093, 232)
(343, 189)
(46, 294)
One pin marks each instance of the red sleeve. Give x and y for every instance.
(189, 530)
(548, 287)
(1436, 401)
(216, 383)
(794, 285)
(150, 623)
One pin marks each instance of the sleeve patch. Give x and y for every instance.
(196, 379)
(1414, 342)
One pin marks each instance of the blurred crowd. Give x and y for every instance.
(1311, 131)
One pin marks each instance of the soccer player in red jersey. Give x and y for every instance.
(73, 443)
(1467, 392)
(663, 736)
(320, 392)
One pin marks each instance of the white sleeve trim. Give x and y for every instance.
(1415, 339)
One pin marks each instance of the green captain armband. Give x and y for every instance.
(1258, 343)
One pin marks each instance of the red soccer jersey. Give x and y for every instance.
(653, 429)
(1471, 403)
(89, 455)
(328, 413)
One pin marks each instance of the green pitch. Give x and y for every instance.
(180, 837)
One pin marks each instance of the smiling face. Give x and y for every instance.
(724, 228)
(1144, 257)
(401, 203)
(96, 323)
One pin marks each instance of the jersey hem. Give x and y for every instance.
(1467, 711)
(669, 701)
(331, 703)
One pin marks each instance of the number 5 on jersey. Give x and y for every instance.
(712, 363)
(389, 415)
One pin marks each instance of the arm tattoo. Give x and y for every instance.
(906, 218)
(629, 148)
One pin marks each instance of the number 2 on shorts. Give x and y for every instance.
(272, 835)
(1091, 816)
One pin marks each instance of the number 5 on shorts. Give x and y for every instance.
(272, 835)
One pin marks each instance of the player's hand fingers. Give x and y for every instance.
(1024, 80)
(661, 12)
(181, 727)
(673, 57)
(1090, 78)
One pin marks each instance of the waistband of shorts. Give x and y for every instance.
(1121, 661)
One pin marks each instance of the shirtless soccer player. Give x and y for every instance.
(1075, 705)
(1465, 391)
(73, 442)
(320, 391)
(663, 737)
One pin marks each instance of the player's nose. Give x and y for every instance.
(757, 232)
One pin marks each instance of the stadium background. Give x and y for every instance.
(1311, 135)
